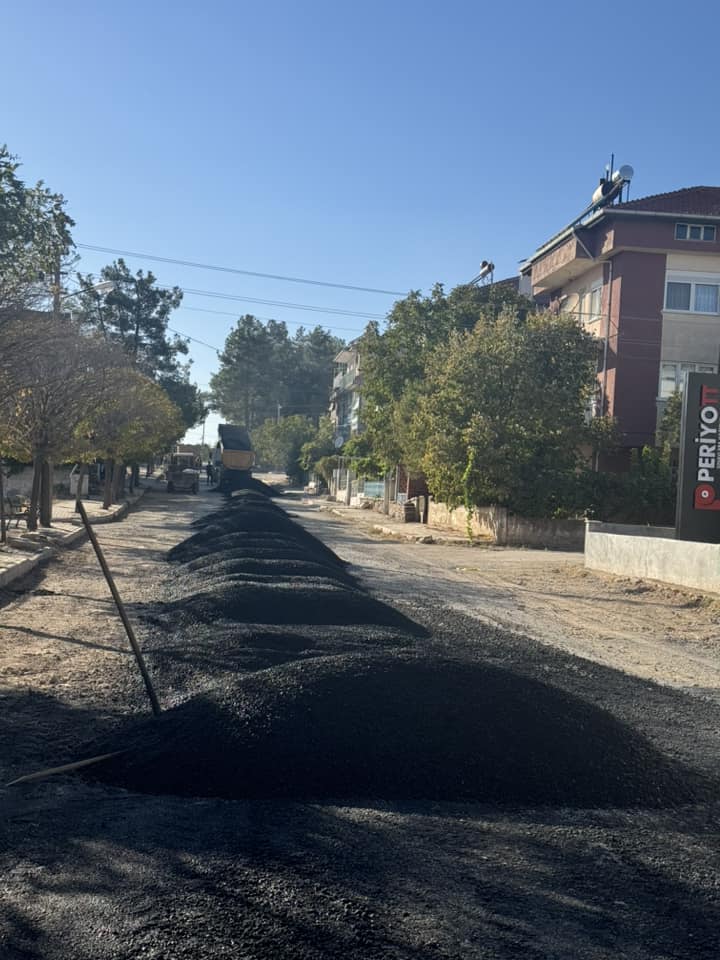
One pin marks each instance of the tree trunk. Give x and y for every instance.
(81, 476)
(3, 533)
(32, 520)
(135, 475)
(386, 494)
(107, 492)
(118, 481)
(46, 493)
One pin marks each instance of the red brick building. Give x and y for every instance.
(645, 277)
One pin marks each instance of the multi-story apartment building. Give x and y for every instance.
(644, 276)
(345, 395)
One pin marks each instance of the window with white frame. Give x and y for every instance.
(595, 305)
(695, 231)
(672, 376)
(688, 293)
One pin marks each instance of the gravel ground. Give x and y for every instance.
(92, 871)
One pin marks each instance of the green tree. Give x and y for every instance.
(134, 315)
(185, 395)
(263, 369)
(278, 444)
(34, 238)
(669, 430)
(46, 392)
(132, 420)
(394, 360)
(321, 444)
(647, 493)
(247, 383)
(501, 418)
(307, 378)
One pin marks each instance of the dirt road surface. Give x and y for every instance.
(647, 629)
(93, 872)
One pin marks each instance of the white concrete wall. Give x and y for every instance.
(579, 286)
(681, 562)
(508, 530)
(20, 484)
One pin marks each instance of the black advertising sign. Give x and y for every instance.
(698, 503)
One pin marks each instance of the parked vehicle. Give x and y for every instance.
(183, 473)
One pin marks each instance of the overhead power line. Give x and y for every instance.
(234, 313)
(186, 336)
(333, 311)
(246, 273)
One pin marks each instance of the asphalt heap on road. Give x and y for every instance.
(289, 680)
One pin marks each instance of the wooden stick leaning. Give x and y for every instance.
(121, 609)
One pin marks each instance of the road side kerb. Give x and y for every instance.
(26, 551)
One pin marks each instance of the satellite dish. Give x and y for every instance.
(338, 442)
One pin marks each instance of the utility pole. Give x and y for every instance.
(46, 471)
(279, 408)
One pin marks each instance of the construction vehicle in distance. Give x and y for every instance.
(234, 457)
(183, 473)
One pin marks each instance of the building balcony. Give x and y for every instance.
(557, 267)
(345, 381)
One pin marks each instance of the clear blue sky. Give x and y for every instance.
(388, 144)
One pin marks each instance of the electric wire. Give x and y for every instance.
(233, 313)
(332, 311)
(237, 270)
(186, 336)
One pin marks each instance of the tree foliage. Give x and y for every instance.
(132, 420)
(185, 395)
(77, 388)
(499, 414)
(647, 493)
(51, 375)
(263, 368)
(134, 315)
(278, 444)
(321, 444)
(34, 238)
(394, 360)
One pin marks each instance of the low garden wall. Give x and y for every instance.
(508, 530)
(20, 483)
(652, 553)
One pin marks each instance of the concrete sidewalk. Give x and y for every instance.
(24, 550)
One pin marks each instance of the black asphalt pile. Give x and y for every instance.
(254, 485)
(259, 548)
(236, 505)
(291, 600)
(259, 525)
(250, 562)
(396, 726)
(193, 660)
(252, 567)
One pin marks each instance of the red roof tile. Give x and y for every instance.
(700, 201)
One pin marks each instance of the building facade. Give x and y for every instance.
(644, 276)
(345, 399)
